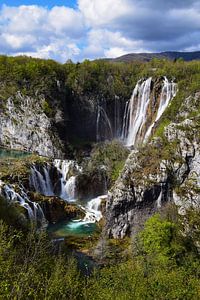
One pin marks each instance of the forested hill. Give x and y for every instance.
(171, 55)
(147, 243)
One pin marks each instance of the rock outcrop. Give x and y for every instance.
(25, 126)
(167, 169)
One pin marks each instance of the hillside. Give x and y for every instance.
(103, 199)
(145, 57)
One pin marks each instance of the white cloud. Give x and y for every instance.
(17, 41)
(105, 43)
(102, 12)
(37, 31)
(66, 20)
(115, 52)
(56, 50)
(100, 28)
(24, 19)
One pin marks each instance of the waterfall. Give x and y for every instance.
(159, 200)
(139, 120)
(65, 187)
(168, 92)
(125, 121)
(68, 189)
(33, 209)
(67, 181)
(117, 119)
(137, 110)
(41, 180)
(92, 213)
(103, 125)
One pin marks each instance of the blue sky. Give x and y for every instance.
(88, 29)
(50, 3)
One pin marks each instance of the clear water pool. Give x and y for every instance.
(6, 153)
(72, 228)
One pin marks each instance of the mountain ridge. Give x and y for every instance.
(145, 57)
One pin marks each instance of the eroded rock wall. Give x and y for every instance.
(167, 169)
(25, 126)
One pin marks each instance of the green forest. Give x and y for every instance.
(162, 261)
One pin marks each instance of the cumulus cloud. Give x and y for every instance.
(159, 24)
(103, 12)
(105, 43)
(37, 31)
(100, 28)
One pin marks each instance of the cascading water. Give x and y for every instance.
(61, 182)
(41, 180)
(117, 119)
(136, 111)
(169, 91)
(92, 213)
(137, 124)
(104, 128)
(65, 187)
(67, 181)
(33, 209)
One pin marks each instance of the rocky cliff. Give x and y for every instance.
(25, 126)
(45, 106)
(166, 169)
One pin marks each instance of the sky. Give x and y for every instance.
(89, 29)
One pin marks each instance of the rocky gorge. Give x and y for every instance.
(60, 113)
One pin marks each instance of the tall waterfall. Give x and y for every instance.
(117, 118)
(168, 92)
(136, 111)
(139, 117)
(34, 211)
(104, 129)
(64, 186)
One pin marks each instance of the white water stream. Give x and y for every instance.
(135, 129)
(33, 209)
(40, 179)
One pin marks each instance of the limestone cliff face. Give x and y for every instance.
(25, 126)
(93, 117)
(167, 169)
(29, 124)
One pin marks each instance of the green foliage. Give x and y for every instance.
(30, 270)
(47, 109)
(164, 264)
(165, 259)
(157, 236)
(12, 214)
(110, 155)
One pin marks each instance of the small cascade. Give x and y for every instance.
(34, 211)
(159, 200)
(93, 212)
(104, 129)
(68, 169)
(139, 117)
(65, 184)
(41, 181)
